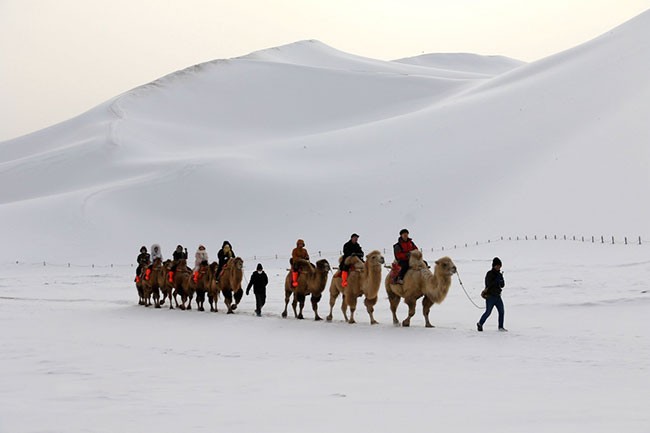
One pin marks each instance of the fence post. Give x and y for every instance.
(501, 237)
(625, 240)
(319, 254)
(443, 248)
(555, 237)
(602, 239)
(526, 237)
(574, 237)
(639, 240)
(583, 239)
(612, 240)
(593, 239)
(43, 263)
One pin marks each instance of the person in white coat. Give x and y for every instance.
(200, 257)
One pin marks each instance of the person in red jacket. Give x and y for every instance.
(402, 250)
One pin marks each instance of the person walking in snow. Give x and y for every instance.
(494, 284)
(258, 281)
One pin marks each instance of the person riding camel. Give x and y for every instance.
(298, 253)
(155, 254)
(143, 261)
(402, 250)
(201, 257)
(179, 254)
(225, 253)
(351, 248)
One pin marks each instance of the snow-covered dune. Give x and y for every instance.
(473, 63)
(306, 141)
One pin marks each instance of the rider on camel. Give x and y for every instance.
(298, 253)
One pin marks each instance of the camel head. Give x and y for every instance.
(323, 266)
(375, 257)
(445, 266)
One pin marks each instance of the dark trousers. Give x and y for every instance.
(260, 300)
(491, 302)
(404, 265)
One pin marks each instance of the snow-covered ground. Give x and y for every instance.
(79, 355)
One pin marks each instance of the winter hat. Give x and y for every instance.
(179, 248)
(201, 247)
(143, 249)
(401, 232)
(496, 262)
(300, 241)
(259, 267)
(354, 235)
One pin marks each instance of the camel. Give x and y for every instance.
(311, 281)
(182, 286)
(138, 284)
(154, 283)
(229, 285)
(418, 282)
(364, 279)
(205, 276)
(167, 288)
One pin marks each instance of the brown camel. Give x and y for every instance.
(167, 288)
(138, 284)
(201, 282)
(418, 282)
(364, 279)
(152, 285)
(311, 281)
(229, 284)
(182, 286)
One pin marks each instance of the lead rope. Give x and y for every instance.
(467, 294)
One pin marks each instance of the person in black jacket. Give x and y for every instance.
(143, 261)
(179, 254)
(258, 281)
(494, 284)
(225, 253)
(351, 248)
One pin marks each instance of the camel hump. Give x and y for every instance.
(415, 260)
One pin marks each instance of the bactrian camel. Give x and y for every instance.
(418, 282)
(229, 285)
(311, 281)
(363, 279)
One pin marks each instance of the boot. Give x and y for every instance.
(171, 276)
(344, 278)
(147, 274)
(294, 279)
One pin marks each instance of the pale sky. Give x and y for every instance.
(59, 58)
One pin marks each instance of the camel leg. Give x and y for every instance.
(156, 297)
(426, 307)
(287, 296)
(370, 306)
(176, 299)
(394, 300)
(333, 295)
(314, 305)
(298, 301)
(189, 302)
(344, 307)
(411, 304)
(238, 295)
(352, 302)
(227, 299)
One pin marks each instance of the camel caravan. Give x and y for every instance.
(358, 275)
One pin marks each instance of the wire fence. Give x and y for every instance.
(600, 240)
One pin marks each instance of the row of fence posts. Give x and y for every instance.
(594, 239)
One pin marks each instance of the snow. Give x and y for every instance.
(305, 141)
(78, 348)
